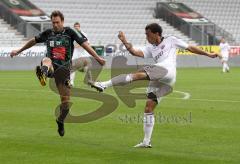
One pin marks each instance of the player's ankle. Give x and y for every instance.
(44, 70)
(146, 141)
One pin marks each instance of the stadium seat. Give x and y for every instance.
(225, 13)
(9, 36)
(102, 19)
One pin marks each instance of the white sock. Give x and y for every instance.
(129, 78)
(227, 67)
(72, 77)
(118, 80)
(224, 67)
(148, 123)
(107, 84)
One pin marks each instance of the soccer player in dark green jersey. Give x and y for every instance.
(57, 63)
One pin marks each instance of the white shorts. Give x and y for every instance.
(80, 63)
(162, 80)
(224, 58)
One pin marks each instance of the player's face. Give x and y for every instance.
(151, 37)
(57, 23)
(77, 27)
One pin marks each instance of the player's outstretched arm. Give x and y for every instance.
(129, 47)
(198, 51)
(90, 50)
(29, 44)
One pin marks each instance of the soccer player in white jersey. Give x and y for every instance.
(224, 50)
(79, 63)
(161, 75)
(82, 64)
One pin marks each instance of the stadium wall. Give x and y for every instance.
(29, 63)
(33, 56)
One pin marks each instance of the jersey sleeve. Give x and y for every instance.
(147, 52)
(42, 37)
(178, 43)
(78, 37)
(84, 35)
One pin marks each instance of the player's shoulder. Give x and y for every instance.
(170, 37)
(69, 29)
(47, 31)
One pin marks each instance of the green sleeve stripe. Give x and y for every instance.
(78, 33)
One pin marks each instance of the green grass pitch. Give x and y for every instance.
(202, 129)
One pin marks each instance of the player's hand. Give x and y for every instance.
(213, 55)
(14, 53)
(220, 56)
(101, 61)
(121, 36)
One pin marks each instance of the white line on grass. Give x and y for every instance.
(185, 97)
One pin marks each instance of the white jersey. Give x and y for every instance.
(164, 54)
(224, 49)
(78, 50)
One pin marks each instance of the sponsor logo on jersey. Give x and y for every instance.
(59, 53)
(158, 55)
(51, 43)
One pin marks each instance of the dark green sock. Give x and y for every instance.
(44, 70)
(64, 110)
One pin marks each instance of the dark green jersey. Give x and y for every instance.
(60, 44)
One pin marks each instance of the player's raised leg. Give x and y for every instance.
(44, 70)
(121, 80)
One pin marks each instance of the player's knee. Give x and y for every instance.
(65, 98)
(148, 109)
(65, 105)
(129, 77)
(139, 76)
(46, 61)
(152, 97)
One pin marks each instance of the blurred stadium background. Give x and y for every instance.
(27, 128)
(197, 22)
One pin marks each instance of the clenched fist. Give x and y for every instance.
(14, 53)
(121, 36)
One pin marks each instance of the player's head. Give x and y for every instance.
(57, 19)
(222, 40)
(153, 32)
(76, 25)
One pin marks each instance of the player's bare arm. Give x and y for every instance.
(29, 44)
(129, 47)
(78, 46)
(90, 50)
(198, 51)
